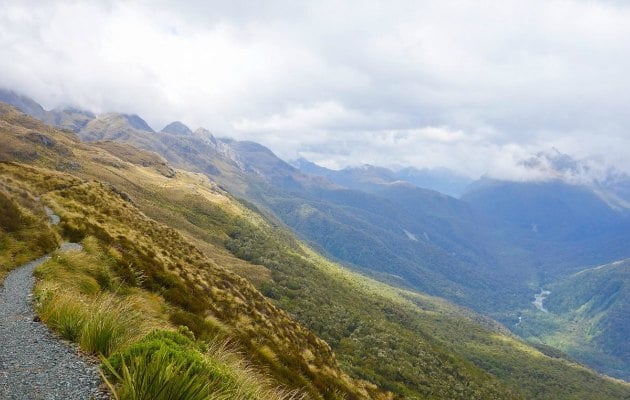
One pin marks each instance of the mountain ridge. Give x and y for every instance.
(324, 213)
(421, 324)
(372, 178)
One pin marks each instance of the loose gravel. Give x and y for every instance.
(34, 363)
(54, 218)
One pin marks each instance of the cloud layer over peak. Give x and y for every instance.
(471, 86)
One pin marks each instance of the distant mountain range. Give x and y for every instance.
(492, 249)
(371, 178)
(612, 185)
(66, 118)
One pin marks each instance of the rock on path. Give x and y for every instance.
(34, 363)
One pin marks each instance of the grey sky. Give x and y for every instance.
(471, 85)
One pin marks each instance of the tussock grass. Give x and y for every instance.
(24, 232)
(101, 325)
(247, 382)
(157, 377)
(113, 324)
(63, 314)
(82, 298)
(170, 365)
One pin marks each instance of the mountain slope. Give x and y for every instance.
(563, 225)
(69, 118)
(371, 178)
(187, 279)
(362, 234)
(409, 343)
(588, 318)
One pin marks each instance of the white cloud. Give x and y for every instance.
(476, 87)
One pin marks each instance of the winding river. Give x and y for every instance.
(540, 298)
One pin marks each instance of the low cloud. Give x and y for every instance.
(474, 87)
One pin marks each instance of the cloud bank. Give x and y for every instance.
(474, 86)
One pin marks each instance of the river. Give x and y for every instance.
(540, 298)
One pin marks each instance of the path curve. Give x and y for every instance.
(34, 363)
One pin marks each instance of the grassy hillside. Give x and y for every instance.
(182, 238)
(432, 242)
(492, 257)
(85, 298)
(155, 258)
(24, 231)
(589, 318)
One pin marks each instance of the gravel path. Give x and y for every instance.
(54, 218)
(34, 363)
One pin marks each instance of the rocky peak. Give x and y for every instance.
(177, 128)
(76, 111)
(114, 126)
(137, 123)
(203, 133)
(23, 103)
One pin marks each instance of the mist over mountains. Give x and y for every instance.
(487, 244)
(357, 200)
(611, 183)
(370, 178)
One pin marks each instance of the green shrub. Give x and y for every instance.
(155, 374)
(179, 347)
(170, 365)
(164, 365)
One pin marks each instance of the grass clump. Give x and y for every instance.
(169, 365)
(112, 324)
(164, 365)
(10, 216)
(65, 315)
(101, 325)
(157, 377)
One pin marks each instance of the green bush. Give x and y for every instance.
(164, 365)
(179, 347)
(169, 365)
(154, 374)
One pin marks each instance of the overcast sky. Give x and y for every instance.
(471, 85)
